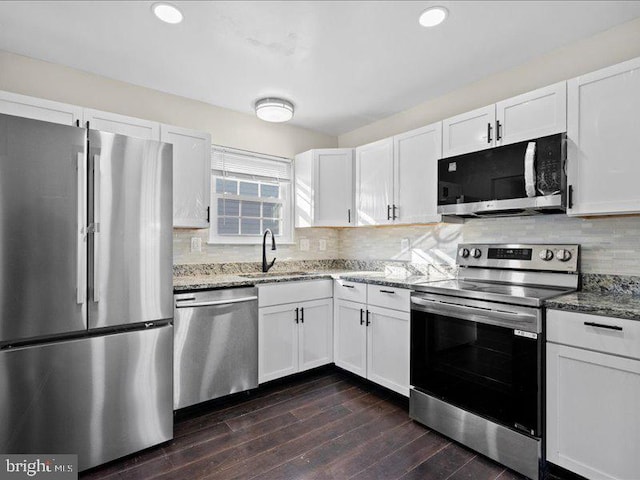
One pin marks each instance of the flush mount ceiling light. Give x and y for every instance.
(167, 12)
(274, 110)
(433, 16)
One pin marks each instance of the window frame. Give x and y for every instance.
(285, 200)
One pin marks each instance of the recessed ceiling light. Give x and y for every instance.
(433, 16)
(274, 110)
(167, 12)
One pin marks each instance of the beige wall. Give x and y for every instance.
(607, 48)
(229, 128)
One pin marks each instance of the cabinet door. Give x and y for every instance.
(121, 124)
(350, 337)
(603, 141)
(388, 349)
(315, 334)
(333, 193)
(277, 342)
(532, 115)
(374, 183)
(39, 109)
(469, 132)
(191, 176)
(592, 412)
(416, 156)
(304, 190)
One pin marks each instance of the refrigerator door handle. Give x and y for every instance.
(96, 227)
(81, 256)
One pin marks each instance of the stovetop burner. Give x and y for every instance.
(517, 274)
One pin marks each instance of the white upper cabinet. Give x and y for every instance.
(374, 183)
(531, 115)
(469, 132)
(324, 188)
(416, 154)
(191, 175)
(122, 124)
(604, 140)
(39, 109)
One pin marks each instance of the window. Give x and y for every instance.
(250, 192)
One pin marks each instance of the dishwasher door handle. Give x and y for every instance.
(215, 302)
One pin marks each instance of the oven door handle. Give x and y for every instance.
(476, 314)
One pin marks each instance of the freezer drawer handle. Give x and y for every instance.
(215, 302)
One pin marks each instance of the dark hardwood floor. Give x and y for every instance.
(323, 425)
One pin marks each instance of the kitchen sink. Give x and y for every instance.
(274, 274)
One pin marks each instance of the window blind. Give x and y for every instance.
(227, 161)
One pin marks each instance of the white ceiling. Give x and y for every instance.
(343, 64)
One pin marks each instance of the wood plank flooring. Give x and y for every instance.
(323, 425)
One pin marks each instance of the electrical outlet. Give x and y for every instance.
(304, 244)
(196, 244)
(322, 245)
(405, 244)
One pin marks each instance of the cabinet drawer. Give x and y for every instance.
(389, 297)
(590, 331)
(293, 292)
(353, 291)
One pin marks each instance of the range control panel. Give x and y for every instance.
(547, 257)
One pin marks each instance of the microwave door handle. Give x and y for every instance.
(530, 170)
(465, 311)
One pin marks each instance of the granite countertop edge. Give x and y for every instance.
(614, 305)
(210, 282)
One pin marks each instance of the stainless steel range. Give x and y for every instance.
(477, 348)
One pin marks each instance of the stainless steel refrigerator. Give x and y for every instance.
(85, 291)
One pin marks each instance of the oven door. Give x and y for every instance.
(483, 357)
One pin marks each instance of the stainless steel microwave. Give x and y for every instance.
(524, 178)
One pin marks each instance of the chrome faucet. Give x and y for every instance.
(266, 266)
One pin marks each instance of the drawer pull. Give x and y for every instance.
(601, 325)
(388, 291)
(348, 286)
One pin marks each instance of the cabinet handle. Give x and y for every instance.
(348, 215)
(388, 212)
(347, 286)
(208, 214)
(368, 322)
(488, 132)
(601, 325)
(570, 196)
(297, 317)
(388, 291)
(498, 131)
(361, 315)
(394, 212)
(302, 315)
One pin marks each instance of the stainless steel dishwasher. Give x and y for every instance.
(215, 344)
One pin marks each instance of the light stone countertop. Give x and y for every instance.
(617, 305)
(208, 282)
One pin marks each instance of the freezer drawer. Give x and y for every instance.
(100, 397)
(215, 344)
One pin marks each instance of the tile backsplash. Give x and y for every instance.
(609, 245)
(182, 253)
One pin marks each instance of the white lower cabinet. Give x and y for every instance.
(593, 419)
(388, 349)
(350, 337)
(297, 335)
(373, 341)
